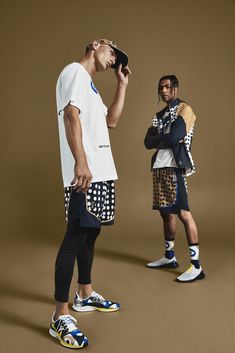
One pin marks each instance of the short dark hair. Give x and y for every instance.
(173, 79)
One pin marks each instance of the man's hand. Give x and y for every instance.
(152, 130)
(82, 177)
(122, 74)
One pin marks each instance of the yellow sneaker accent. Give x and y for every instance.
(190, 268)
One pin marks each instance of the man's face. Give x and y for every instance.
(166, 91)
(104, 57)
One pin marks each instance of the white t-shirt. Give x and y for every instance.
(164, 158)
(75, 87)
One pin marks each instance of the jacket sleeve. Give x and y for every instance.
(152, 138)
(162, 141)
(186, 112)
(178, 132)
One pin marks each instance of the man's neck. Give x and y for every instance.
(88, 64)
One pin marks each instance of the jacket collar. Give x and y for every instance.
(173, 103)
(171, 106)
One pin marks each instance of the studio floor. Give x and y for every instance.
(157, 314)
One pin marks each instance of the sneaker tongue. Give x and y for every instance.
(191, 267)
(68, 318)
(97, 295)
(70, 322)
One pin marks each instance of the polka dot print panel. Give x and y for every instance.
(101, 200)
(67, 194)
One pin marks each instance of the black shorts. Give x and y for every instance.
(170, 190)
(94, 208)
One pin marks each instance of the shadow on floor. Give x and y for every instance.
(120, 256)
(14, 319)
(14, 292)
(132, 259)
(10, 290)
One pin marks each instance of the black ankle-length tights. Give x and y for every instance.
(78, 243)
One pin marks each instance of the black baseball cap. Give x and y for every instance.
(122, 57)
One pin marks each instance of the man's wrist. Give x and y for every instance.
(80, 159)
(122, 84)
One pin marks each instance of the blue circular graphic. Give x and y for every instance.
(192, 252)
(94, 88)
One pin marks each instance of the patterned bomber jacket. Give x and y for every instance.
(172, 128)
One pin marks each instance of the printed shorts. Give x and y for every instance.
(169, 190)
(94, 208)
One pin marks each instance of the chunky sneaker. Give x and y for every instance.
(164, 263)
(94, 302)
(66, 331)
(192, 274)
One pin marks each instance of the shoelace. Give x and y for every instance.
(98, 297)
(68, 322)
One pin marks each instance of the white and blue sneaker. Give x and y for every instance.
(94, 302)
(66, 331)
(164, 263)
(192, 274)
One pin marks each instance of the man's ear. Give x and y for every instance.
(175, 90)
(95, 44)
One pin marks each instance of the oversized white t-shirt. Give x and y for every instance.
(164, 158)
(75, 87)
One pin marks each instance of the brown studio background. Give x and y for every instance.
(194, 40)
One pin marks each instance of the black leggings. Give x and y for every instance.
(78, 243)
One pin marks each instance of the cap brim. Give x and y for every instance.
(122, 58)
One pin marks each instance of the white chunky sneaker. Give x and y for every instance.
(163, 263)
(192, 274)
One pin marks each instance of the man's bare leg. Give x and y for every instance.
(195, 270)
(189, 226)
(169, 260)
(169, 225)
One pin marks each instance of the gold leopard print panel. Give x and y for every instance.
(164, 187)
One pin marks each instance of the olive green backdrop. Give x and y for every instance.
(192, 39)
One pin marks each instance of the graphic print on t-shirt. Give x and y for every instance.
(94, 88)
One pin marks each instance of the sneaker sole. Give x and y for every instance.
(170, 265)
(92, 308)
(55, 335)
(200, 276)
